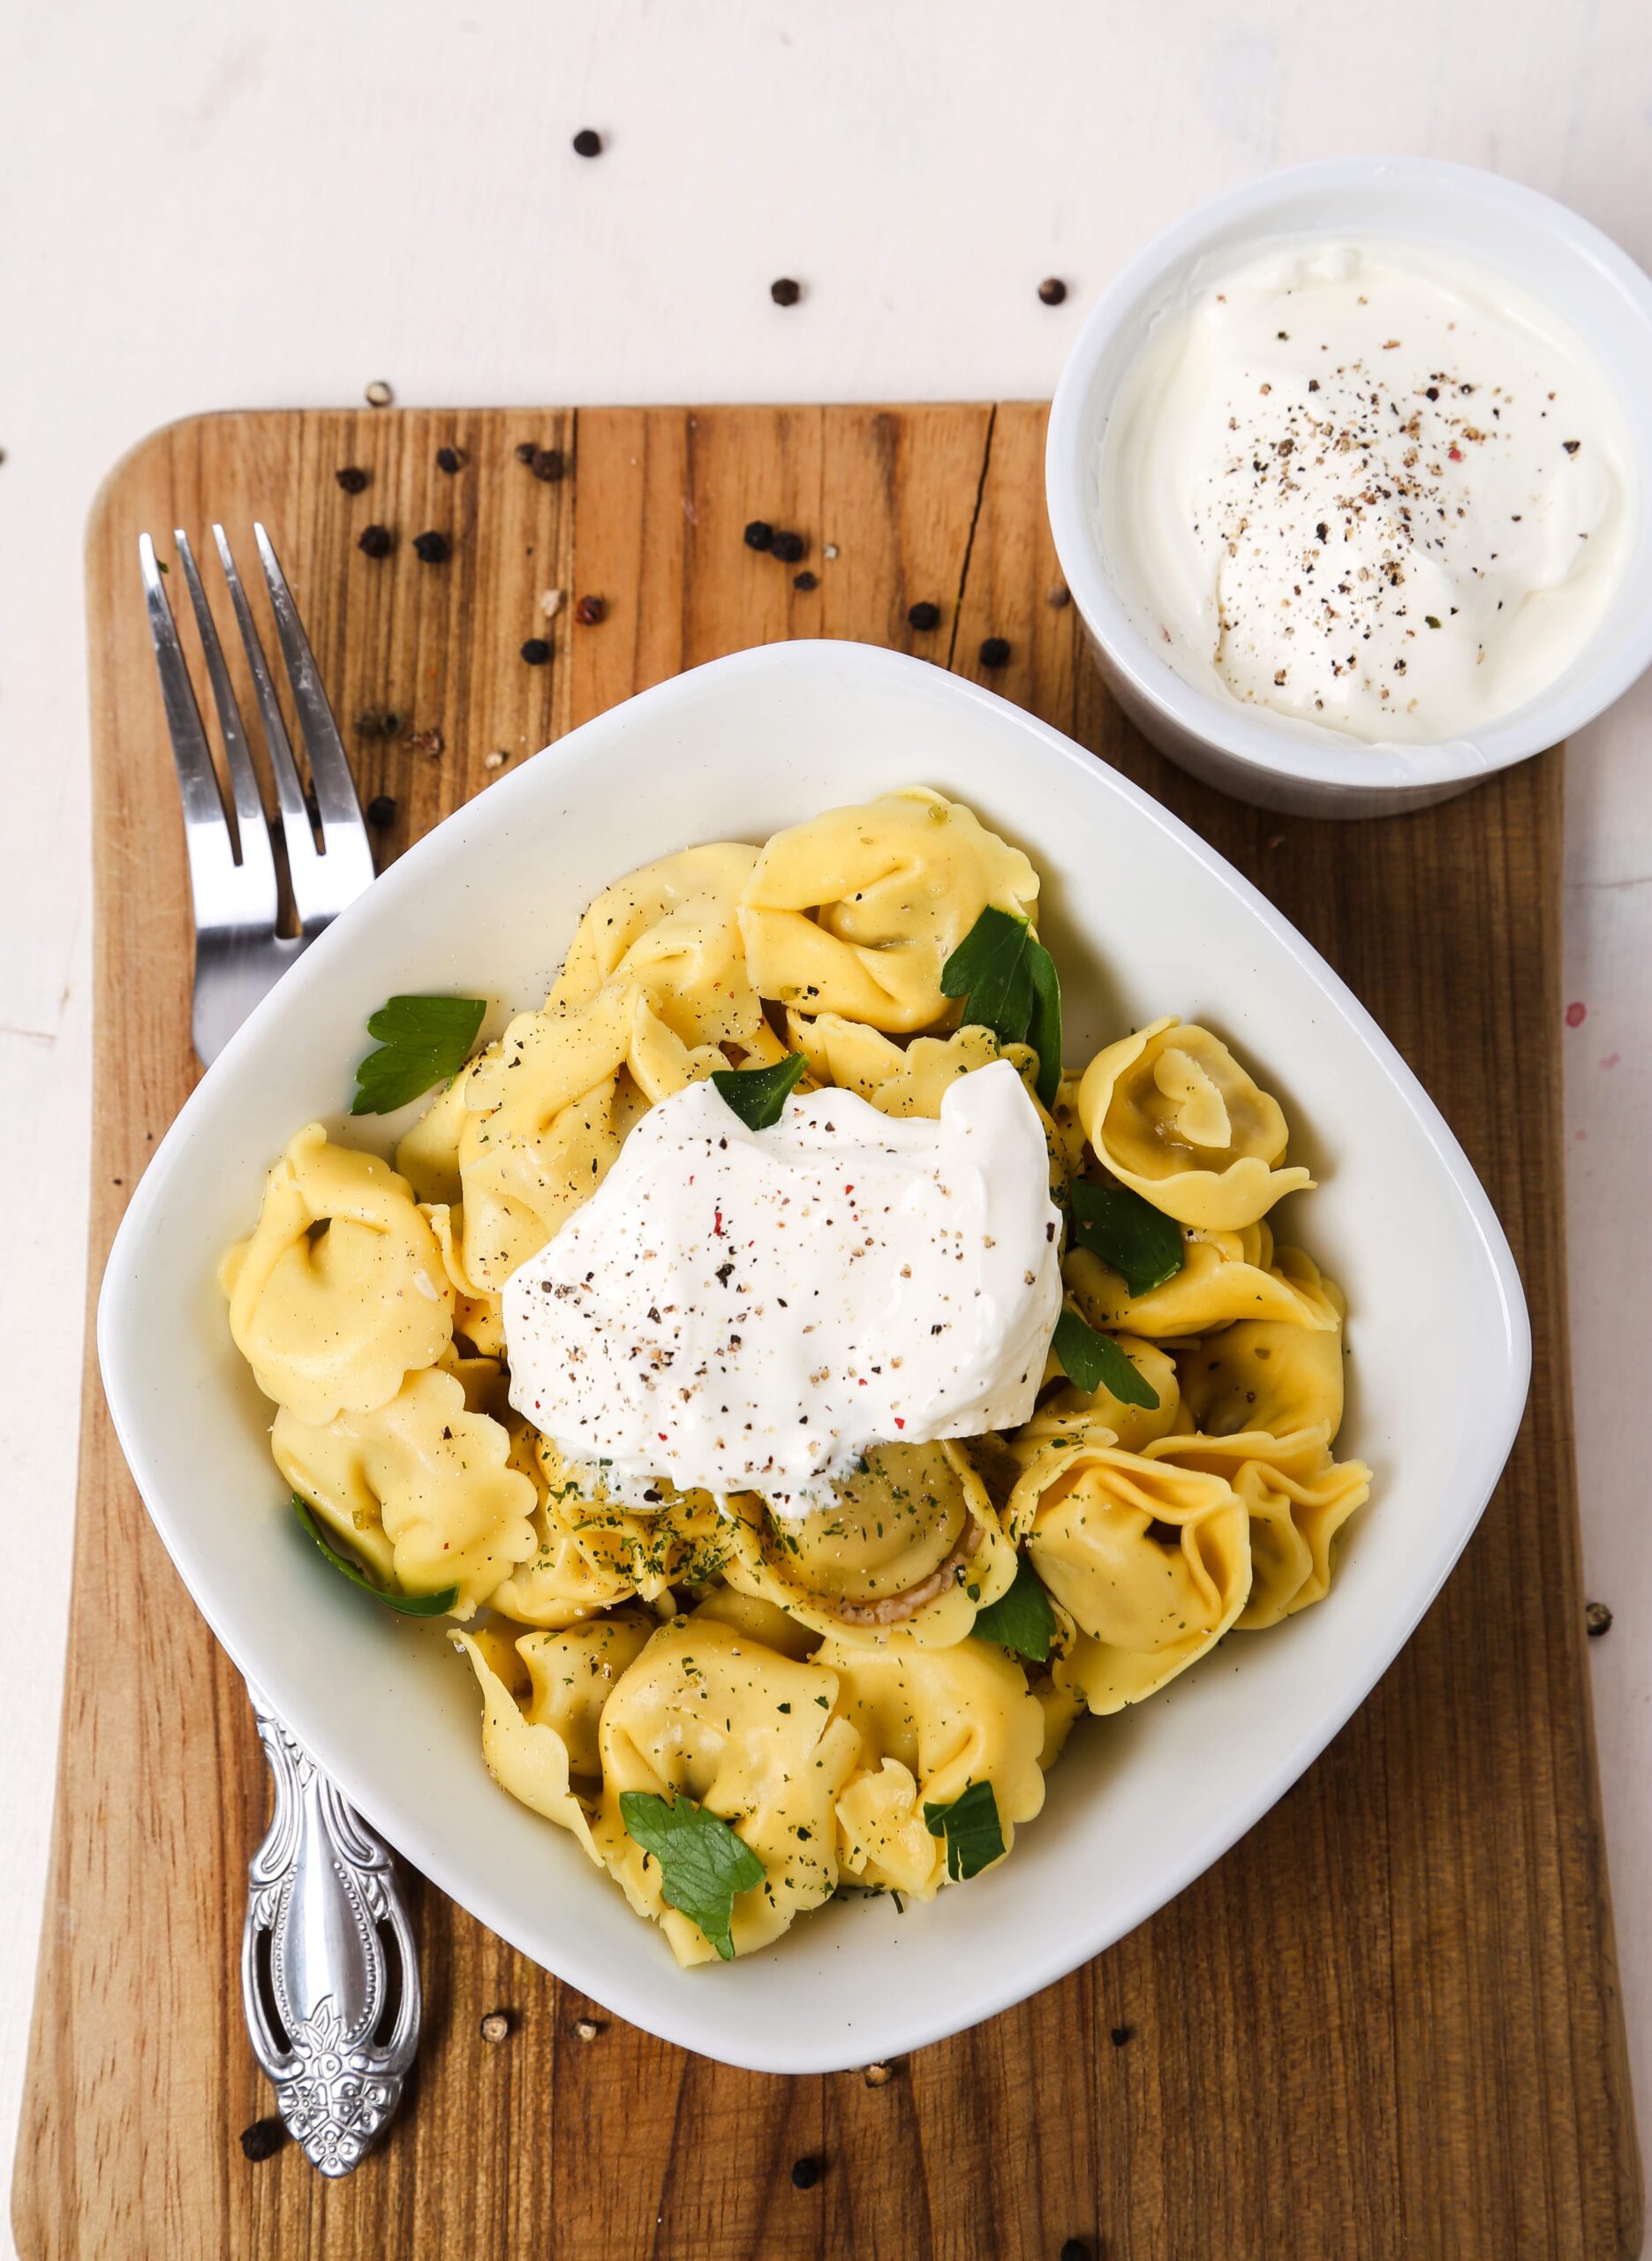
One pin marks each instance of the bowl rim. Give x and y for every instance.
(1586, 689)
(625, 1984)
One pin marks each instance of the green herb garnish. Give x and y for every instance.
(1094, 1360)
(1128, 1233)
(1021, 1619)
(422, 1041)
(1010, 981)
(410, 1605)
(970, 1825)
(703, 1864)
(758, 1095)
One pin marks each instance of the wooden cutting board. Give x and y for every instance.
(1386, 2024)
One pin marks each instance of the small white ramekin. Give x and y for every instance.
(1553, 256)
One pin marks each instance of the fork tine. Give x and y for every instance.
(215, 883)
(342, 826)
(252, 824)
(302, 859)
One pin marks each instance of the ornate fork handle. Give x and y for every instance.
(327, 1949)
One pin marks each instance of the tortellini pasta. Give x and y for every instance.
(857, 911)
(823, 1692)
(1172, 1114)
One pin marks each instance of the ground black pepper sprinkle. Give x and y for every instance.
(431, 548)
(380, 811)
(995, 652)
(375, 541)
(496, 2025)
(353, 479)
(1121, 2034)
(587, 143)
(804, 581)
(263, 2139)
(1597, 1619)
(590, 610)
(536, 651)
(759, 534)
(785, 292)
(449, 459)
(1052, 289)
(805, 2172)
(924, 616)
(546, 463)
(788, 548)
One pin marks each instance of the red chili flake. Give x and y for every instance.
(1454, 452)
(590, 610)
(899, 1422)
(717, 1223)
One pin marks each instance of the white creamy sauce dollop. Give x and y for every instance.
(1377, 490)
(740, 1309)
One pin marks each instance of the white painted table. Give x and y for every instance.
(215, 205)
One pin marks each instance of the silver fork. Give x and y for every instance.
(329, 1973)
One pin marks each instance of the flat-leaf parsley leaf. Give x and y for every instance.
(1128, 1233)
(703, 1864)
(422, 1041)
(758, 1095)
(974, 1837)
(1010, 982)
(1021, 1619)
(410, 1605)
(1092, 1360)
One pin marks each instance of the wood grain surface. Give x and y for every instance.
(1386, 2025)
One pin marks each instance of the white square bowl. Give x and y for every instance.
(1144, 919)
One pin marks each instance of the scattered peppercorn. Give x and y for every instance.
(431, 548)
(586, 2029)
(924, 616)
(1121, 2034)
(526, 450)
(1597, 1619)
(380, 811)
(788, 548)
(536, 651)
(496, 2025)
(590, 610)
(353, 479)
(805, 2172)
(450, 459)
(804, 581)
(379, 394)
(587, 143)
(879, 2075)
(785, 292)
(1052, 289)
(546, 463)
(1058, 596)
(263, 2139)
(759, 534)
(375, 541)
(1076, 2249)
(995, 652)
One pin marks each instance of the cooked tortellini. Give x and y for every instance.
(739, 1706)
(857, 911)
(1172, 1114)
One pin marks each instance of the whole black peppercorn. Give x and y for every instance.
(263, 2139)
(1075, 2249)
(526, 450)
(431, 548)
(380, 811)
(536, 651)
(353, 479)
(546, 463)
(759, 534)
(785, 292)
(449, 459)
(1597, 1619)
(805, 2172)
(1121, 2034)
(788, 548)
(590, 610)
(375, 541)
(587, 143)
(804, 581)
(1052, 289)
(995, 652)
(924, 616)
